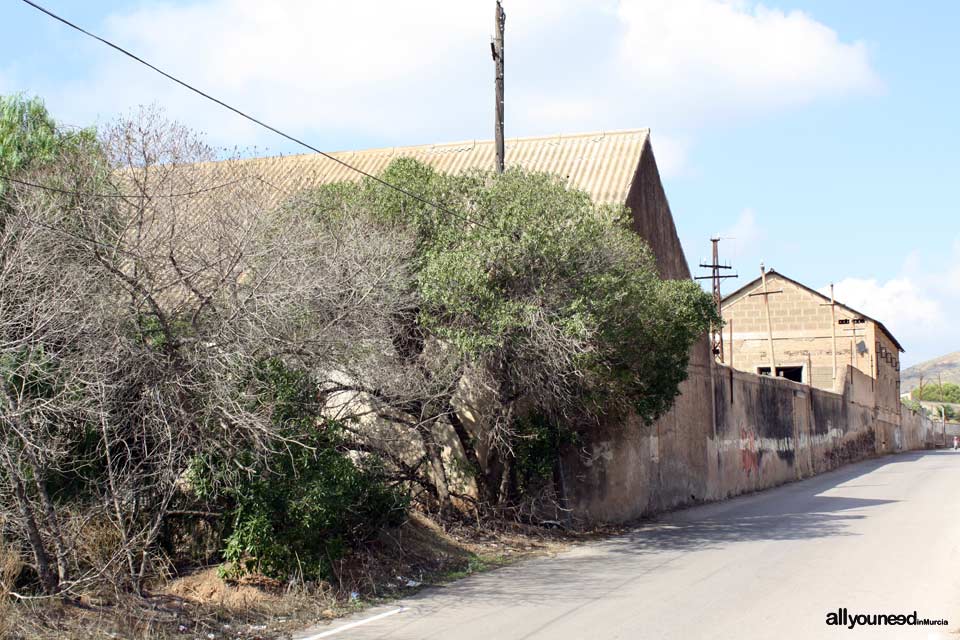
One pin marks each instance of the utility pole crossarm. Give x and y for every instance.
(715, 332)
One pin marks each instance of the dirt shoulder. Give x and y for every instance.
(199, 604)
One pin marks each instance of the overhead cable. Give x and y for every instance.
(257, 121)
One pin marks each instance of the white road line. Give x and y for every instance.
(327, 634)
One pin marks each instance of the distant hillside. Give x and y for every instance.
(948, 367)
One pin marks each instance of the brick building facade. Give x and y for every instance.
(800, 319)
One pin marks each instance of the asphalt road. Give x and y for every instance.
(882, 536)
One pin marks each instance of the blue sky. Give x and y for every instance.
(820, 134)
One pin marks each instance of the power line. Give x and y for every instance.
(184, 194)
(240, 113)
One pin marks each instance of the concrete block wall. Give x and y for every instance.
(792, 310)
(731, 432)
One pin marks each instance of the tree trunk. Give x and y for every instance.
(50, 581)
(486, 484)
(50, 515)
(40, 556)
(434, 451)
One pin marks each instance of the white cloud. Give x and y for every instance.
(711, 56)
(683, 64)
(908, 308)
(382, 71)
(898, 303)
(919, 305)
(306, 65)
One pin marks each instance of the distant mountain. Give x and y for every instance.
(948, 368)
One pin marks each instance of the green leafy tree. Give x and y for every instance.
(30, 138)
(553, 300)
(28, 135)
(947, 392)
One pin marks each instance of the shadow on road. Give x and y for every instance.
(796, 511)
(790, 512)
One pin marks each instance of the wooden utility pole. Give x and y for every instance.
(853, 322)
(766, 307)
(716, 332)
(943, 423)
(943, 410)
(731, 342)
(833, 326)
(497, 47)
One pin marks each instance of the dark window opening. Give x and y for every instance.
(790, 373)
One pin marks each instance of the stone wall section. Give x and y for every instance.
(761, 432)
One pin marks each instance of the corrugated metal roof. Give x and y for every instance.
(603, 164)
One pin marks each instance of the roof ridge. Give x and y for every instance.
(602, 163)
(392, 150)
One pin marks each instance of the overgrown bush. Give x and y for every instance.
(297, 511)
(537, 446)
(174, 349)
(550, 301)
(138, 303)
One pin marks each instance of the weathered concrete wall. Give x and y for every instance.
(627, 468)
(731, 432)
(916, 429)
(770, 431)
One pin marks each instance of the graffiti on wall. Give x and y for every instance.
(749, 452)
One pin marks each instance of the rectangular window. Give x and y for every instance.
(790, 373)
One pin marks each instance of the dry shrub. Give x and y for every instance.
(207, 588)
(97, 541)
(10, 567)
(194, 541)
